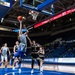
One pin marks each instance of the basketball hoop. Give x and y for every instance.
(34, 14)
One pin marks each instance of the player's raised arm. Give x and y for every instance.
(20, 31)
(19, 18)
(29, 39)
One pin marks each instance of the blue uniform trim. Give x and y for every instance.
(17, 30)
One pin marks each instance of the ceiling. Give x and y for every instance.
(10, 19)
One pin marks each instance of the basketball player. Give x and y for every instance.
(23, 44)
(15, 50)
(41, 55)
(16, 46)
(4, 55)
(34, 52)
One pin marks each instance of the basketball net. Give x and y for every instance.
(34, 14)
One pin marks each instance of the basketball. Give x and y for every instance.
(19, 18)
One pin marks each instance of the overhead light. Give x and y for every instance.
(5, 29)
(42, 29)
(24, 18)
(15, 0)
(70, 19)
(54, 25)
(15, 23)
(2, 20)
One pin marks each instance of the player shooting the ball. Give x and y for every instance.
(23, 42)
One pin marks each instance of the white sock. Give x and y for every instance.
(41, 68)
(32, 71)
(13, 68)
(19, 70)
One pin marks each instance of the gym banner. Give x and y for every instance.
(55, 60)
(7, 3)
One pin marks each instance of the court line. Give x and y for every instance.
(21, 72)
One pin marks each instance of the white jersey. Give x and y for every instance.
(4, 51)
(23, 42)
(23, 39)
